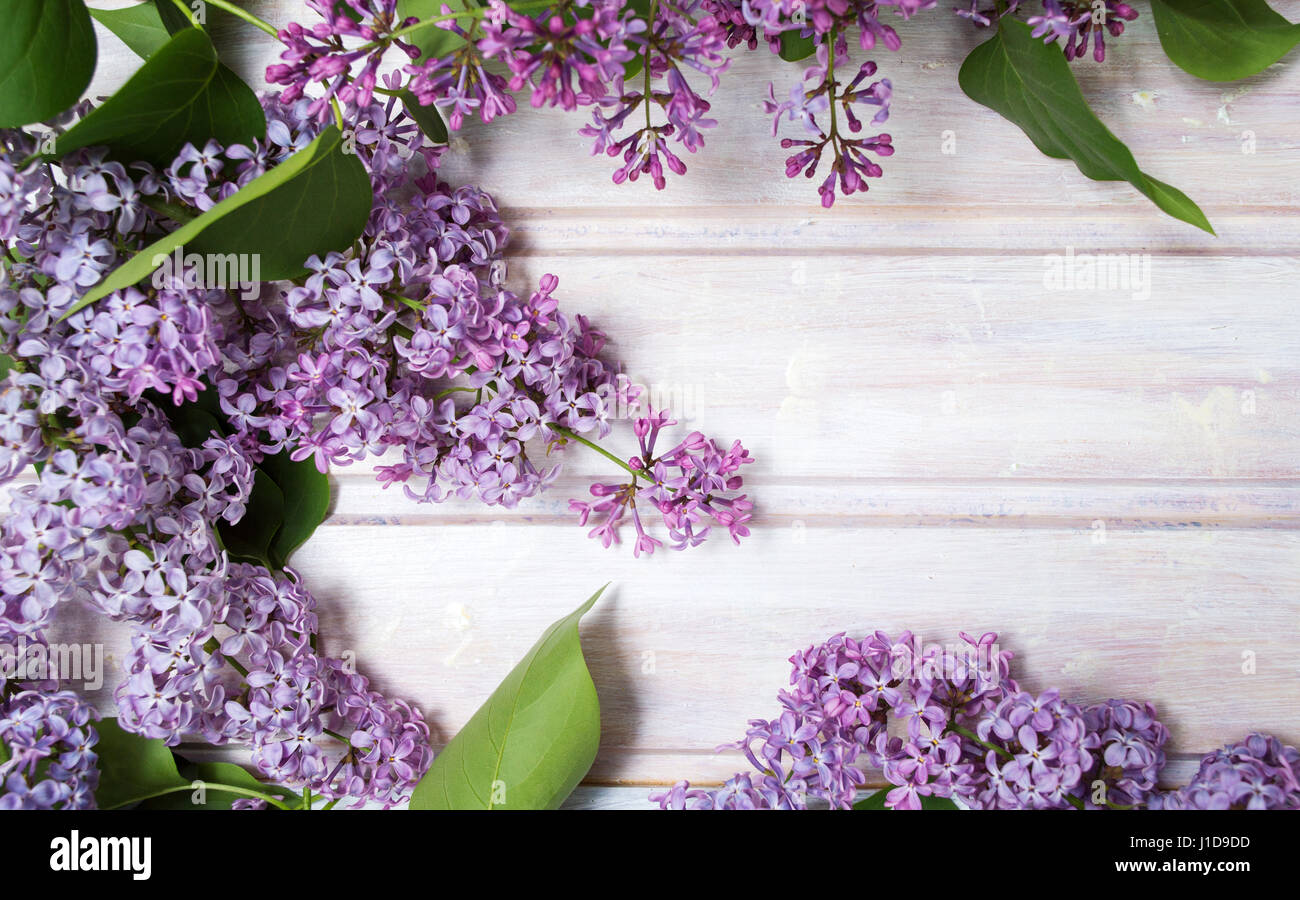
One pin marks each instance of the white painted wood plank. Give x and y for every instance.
(783, 501)
(954, 366)
(688, 646)
(685, 648)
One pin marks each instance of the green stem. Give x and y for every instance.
(208, 785)
(454, 390)
(594, 446)
(830, 82)
(649, 42)
(246, 16)
(970, 735)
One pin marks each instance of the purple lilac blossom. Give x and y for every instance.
(637, 70)
(1259, 772)
(952, 724)
(50, 741)
(377, 350)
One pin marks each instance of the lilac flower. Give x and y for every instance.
(1259, 772)
(971, 735)
(50, 742)
(320, 54)
(1131, 751)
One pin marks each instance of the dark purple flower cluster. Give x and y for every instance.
(341, 53)
(632, 65)
(1075, 24)
(950, 722)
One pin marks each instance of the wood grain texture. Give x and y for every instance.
(1108, 477)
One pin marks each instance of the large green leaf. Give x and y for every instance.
(181, 94)
(47, 58)
(315, 201)
(249, 539)
(1031, 84)
(132, 768)
(306, 493)
(174, 17)
(430, 39)
(530, 744)
(218, 773)
(139, 27)
(1223, 40)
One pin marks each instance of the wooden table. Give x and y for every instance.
(944, 442)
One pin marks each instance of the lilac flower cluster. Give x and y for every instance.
(1258, 773)
(48, 742)
(410, 344)
(121, 517)
(688, 485)
(407, 344)
(326, 53)
(632, 66)
(951, 723)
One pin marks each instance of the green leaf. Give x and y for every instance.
(315, 201)
(174, 17)
(182, 94)
(431, 40)
(132, 768)
(530, 744)
(1031, 84)
(306, 493)
(214, 773)
(139, 27)
(794, 47)
(634, 65)
(427, 117)
(6, 366)
(877, 801)
(249, 539)
(194, 422)
(47, 58)
(872, 801)
(1223, 40)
